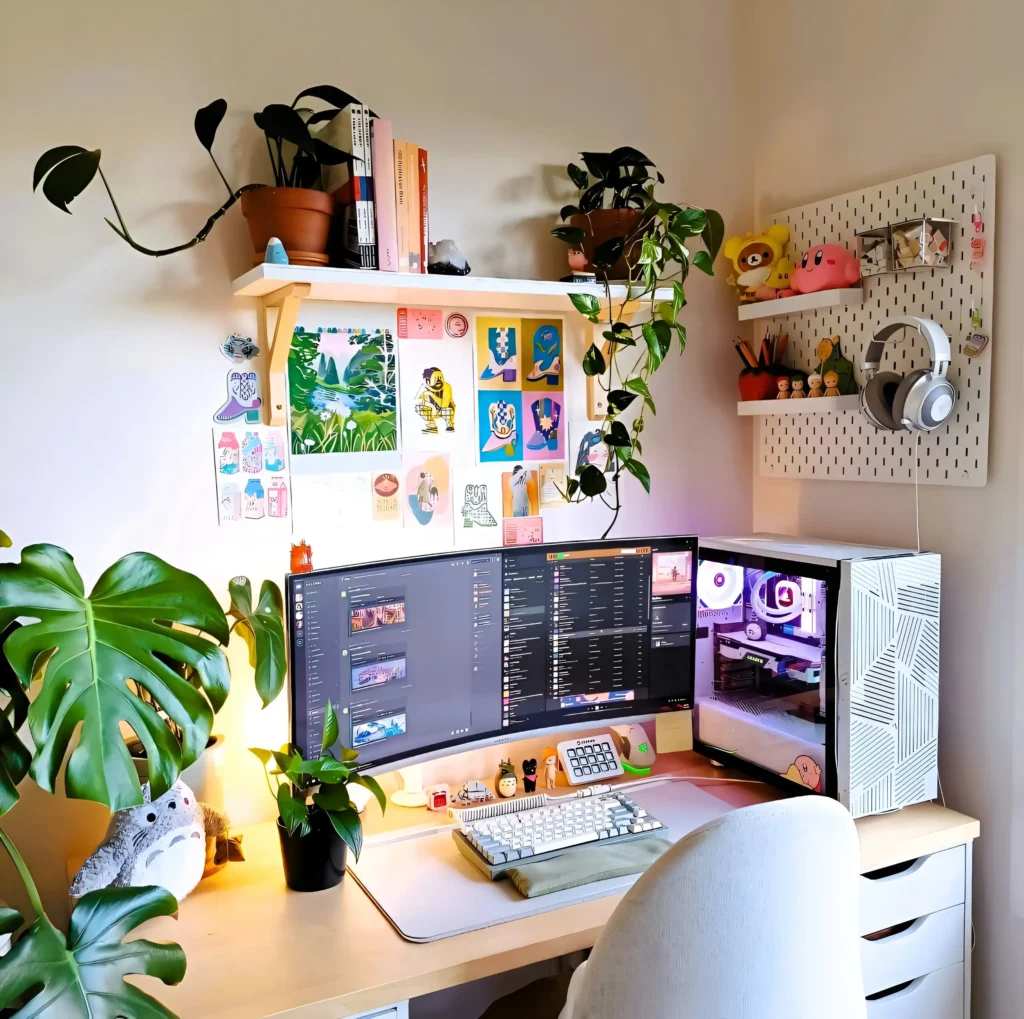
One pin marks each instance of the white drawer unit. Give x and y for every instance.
(930, 942)
(939, 995)
(906, 892)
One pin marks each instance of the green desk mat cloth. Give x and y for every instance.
(585, 865)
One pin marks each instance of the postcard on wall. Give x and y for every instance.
(436, 389)
(544, 424)
(252, 476)
(427, 493)
(385, 496)
(519, 496)
(541, 355)
(522, 531)
(331, 515)
(342, 386)
(499, 427)
(497, 353)
(477, 494)
(420, 324)
(551, 482)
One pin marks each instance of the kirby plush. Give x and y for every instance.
(825, 267)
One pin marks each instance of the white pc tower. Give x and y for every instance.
(818, 663)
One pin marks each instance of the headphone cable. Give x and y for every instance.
(917, 499)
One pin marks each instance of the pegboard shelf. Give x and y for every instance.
(825, 405)
(850, 297)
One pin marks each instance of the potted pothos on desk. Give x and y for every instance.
(317, 822)
(144, 647)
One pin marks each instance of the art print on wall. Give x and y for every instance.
(544, 426)
(519, 495)
(497, 353)
(428, 500)
(477, 492)
(252, 477)
(541, 354)
(499, 426)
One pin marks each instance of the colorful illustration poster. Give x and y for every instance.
(385, 495)
(477, 493)
(427, 494)
(519, 496)
(436, 392)
(252, 475)
(591, 450)
(541, 355)
(497, 353)
(499, 426)
(522, 531)
(420, 324)
(342, 391)
(552, 484)
(544, 426)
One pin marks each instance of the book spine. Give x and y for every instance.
(401, 206)
(412, 159)
(424, 213)
(382, 147)
(368, 234)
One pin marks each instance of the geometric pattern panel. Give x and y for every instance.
(894, 688)
(844, 445)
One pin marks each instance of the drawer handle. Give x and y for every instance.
(888, 932)
(906, 867)
(891, 990)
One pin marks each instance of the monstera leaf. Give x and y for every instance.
(82, 976)
(14, 756)
(263, 630)
(86, 649)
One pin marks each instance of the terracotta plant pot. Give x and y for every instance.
(300, 217)
(600, 226)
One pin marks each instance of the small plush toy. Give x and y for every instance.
(506, 782)
(798, 388)
(783, 385)
(530, 775)
(752, 258)
(158, 843)
(826, 267)
(778, 282)
(814, 383)
(831, 384)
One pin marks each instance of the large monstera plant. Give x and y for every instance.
(145, 648)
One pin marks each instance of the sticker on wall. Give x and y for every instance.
(456, 325)
(239, 349)
(436, 394)
(243, 397)
(420, 324)
(542, 354)
(384, 493)
(497, 353)
(343, 391)
(251, 474)
(519, 497)
(551, 482)
(477, 493)
(427, 490)
(499, 432)
(522, 531)
(543, 423)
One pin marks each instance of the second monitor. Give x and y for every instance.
(422, 656)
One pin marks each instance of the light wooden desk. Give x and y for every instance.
(256, 949)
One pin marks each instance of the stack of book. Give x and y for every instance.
(383, 196)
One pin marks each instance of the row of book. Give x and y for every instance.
(385, 212)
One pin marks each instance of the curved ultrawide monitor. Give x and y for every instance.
(421, 657)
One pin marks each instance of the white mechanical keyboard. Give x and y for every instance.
(589, 759)
(496, 839)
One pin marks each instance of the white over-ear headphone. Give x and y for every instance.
(922, 400)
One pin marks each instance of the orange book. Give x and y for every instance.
(412, 190)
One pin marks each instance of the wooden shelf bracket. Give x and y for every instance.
(274, 353)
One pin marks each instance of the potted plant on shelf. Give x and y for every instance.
(316, 836)
(114, 655)
(295, 209)
(649, 249)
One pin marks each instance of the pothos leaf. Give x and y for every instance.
(330, 728)
(5, 541)
(702, 260)
(593, 361)
(592, 481)
(713, 233)
(572, 235)
(638, 385)
(586, 304)
(619, 399)
(639, 471)
(208, 120)
(263, 632)
(617, 435)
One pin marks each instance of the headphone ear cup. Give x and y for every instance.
(899, 401)
(876, 400)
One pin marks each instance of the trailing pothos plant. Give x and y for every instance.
(145, 648)
(637, 331)
(326, 777)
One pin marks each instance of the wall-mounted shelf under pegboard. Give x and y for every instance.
(770, 408)
(844, 446)
(848, 297)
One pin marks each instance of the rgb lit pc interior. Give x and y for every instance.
(423, 655)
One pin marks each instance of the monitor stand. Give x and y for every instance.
(412, 793)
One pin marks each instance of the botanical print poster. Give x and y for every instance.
(428, 497)
(342, 386)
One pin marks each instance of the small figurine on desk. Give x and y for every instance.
(783, 385)
(472, 791)
(814, 385)
(302, 558)
(798, 388)
(506, 782)
(831, 384)
(550, 769)
(275, 254)
(530, 775)
(437, 796)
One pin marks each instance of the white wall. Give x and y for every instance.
(875, 90)
(109, 370)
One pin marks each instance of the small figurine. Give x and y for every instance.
(831, 384)
(777, 283)
(783, 385)
(506, 782)
(437, 797)
(275, 255)
(550, 769)
(302, 558)
(530, 775)
(814, 384)
(798, 389)
(472, 792)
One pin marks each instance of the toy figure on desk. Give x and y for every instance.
(550, 770)
(831, 384)
(530, 775)
(506, 782)
(814, 384)
(783, 385)
(798, 388)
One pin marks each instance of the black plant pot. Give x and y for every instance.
(315, 861)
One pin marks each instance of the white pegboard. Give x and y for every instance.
(846, 446)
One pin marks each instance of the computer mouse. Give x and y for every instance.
(633, 745)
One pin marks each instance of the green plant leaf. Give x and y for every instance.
(5, 541)
(656, 349)
(347, 824)
(292, 810)
(326, 769)
(82, 976)
(681, 331)
(702, 260)
(592, 481)
(713, 233)
(278, 121)
(265, 756)
(578, 176)
(66, 172)
(369, 782)
(332, 797)
(638, 385)
(593, 361)
(208, 120)
(263, 632)
(86, 649)
(619, 399)
(622, 336)
(607, 253)
(15, 758)
(639, 471)
(329, 94)
(330, 728)
(688, 222)
(678, 298)
(10, 920)
(665, 311)
(617, 435)
(572, 235)
(567, 211)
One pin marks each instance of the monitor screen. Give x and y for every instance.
(422, 655)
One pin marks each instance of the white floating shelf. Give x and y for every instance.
(847, 298)
(822, 405)
(371, 286)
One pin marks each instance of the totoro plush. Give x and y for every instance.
(157, 843)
